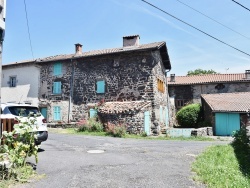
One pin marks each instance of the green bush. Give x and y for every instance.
(90, 125)
(189, 116)
(18, 145)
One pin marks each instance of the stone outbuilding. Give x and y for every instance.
(227, 112)
(188, 89)
(132, 78)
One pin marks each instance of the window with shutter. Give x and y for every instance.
(57, 69)
(57, 113)
(57, 88)
(100, 86)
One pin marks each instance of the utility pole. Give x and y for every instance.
(2, 31)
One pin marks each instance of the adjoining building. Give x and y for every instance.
(227, 112)
(188, 89)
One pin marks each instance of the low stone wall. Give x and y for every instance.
(204, 131)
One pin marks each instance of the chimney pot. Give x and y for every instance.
(132, 40)
(78, 48)
(172, 77)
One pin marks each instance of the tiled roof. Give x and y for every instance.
(208, 78)
(122, 107)
(156, 45)
(228, 102)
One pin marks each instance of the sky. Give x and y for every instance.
(55, 26)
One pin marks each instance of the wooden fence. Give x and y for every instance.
(6, 125)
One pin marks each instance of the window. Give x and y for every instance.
(57, 113)
(57, 69)
(12, 81)
(100, 86)
(92, 113)
(179, 103)
(160, 85)
(57, 88)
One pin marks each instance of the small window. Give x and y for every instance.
(57, 69)
(57, 113)
(160, 85)
(12, 81)
(92, 113)
(57, 88)
(100, 86)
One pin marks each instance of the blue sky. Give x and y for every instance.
(55, 26)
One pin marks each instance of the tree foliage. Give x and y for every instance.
(189, 116)
(201, 71)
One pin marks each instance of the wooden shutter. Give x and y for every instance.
(100, 86)
(92, 113)
(57, 69)
(57, 113)
(57, 88)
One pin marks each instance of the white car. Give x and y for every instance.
(13, 110)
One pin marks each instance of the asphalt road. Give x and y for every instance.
(124, 163)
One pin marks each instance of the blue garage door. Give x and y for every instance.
(226, 123)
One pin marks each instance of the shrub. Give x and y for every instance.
(118, 130)
(189, 116)
(90, 125)
(18, 145)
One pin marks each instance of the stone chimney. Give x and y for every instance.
(172, 77)
(78, 48)
(247, 74)
(132, 40)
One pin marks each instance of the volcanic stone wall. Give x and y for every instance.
(128, 76)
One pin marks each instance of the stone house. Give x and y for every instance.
(188, 89)
(227, 112)
(20, 82)
(130, 80)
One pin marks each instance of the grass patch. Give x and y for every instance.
(73, 131)
(24, 174)
(219, 167)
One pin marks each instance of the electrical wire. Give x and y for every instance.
(196, 28)
(241, 5)
(27, 21)
(213, 19)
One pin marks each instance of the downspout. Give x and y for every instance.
(168, 102)
(71, 88)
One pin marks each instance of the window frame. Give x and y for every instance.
(103, 88)
(57, 69)
(11, 82)
(57, 88)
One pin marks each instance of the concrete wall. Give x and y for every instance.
(27, 76)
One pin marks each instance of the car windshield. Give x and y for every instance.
(23, 110)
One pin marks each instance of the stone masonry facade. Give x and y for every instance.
(128, 76)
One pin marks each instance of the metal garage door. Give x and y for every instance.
(226, 123)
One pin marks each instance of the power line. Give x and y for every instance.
(27, 21)
(213, 20)
(241, 5)
(196, 28)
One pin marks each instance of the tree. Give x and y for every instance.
(201, 71)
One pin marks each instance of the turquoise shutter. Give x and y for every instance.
(57, 87)
(57, 69)
(57, 113)
(92, 113)
(100, 86)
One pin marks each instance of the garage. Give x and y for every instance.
(226, 123)
(227, 112)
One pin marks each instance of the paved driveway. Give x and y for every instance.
(124, 163)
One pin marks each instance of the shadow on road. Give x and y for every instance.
(40, 150)
(241, 145)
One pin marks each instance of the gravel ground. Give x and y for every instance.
(124, 162)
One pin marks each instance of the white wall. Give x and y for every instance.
(26, 89)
